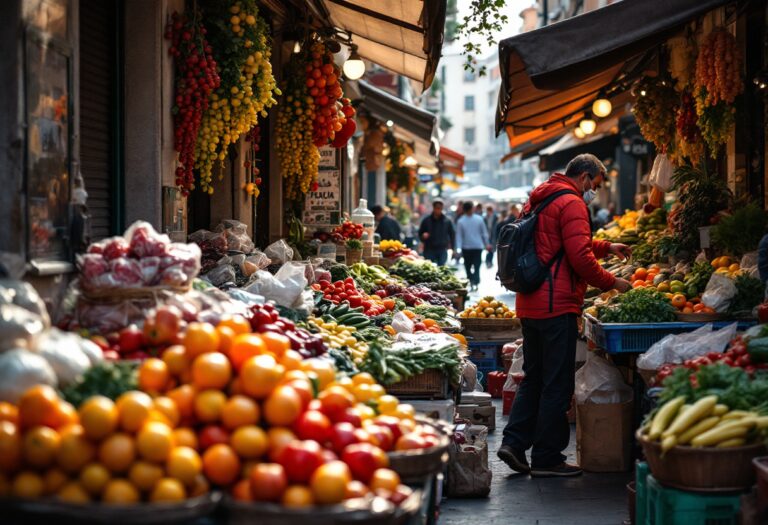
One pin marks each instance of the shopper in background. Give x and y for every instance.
(471, 240)
(479, 209)
(514, 213)
(491, 221)
(549, 316)
(437, 234)
(386, 226)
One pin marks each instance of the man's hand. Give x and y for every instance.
(488, 247)
(622, 285)
(457, 254)
(621, 250)
(425, 236)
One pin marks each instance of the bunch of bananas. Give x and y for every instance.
(337, 335)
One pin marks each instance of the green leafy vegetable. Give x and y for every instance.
(641, 305)
(749, 293)
(107, 378)
(732, 385)
(740, 233)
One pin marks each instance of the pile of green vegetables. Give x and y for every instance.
(427, 273)
(640, 305)
(749, 293)
(106, 378)
(391, 365)
(732, 386)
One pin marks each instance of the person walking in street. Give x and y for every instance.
(512, 215)
(563, 235)
(471, 239)
(491, 221)
(437, 234)
(386, 226)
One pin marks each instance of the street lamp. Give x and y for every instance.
(354, 67)
(578, 133)
(602, 107)
(587, 124)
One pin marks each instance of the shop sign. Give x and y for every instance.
(322, 206)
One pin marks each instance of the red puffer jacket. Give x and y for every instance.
(564, 223)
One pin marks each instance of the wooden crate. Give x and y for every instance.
(430, 384)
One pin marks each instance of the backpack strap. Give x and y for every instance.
(546, 202)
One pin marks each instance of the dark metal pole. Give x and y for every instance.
(544, 12)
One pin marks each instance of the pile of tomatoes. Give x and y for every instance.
(347, 291)
(736, 355)
(224, 407)
(332, 122)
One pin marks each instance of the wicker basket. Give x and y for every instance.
(430, 384)
(415, 465)
(362, 511)
(706, 469)
(386, 262)
(489, 325)
(46, 512)
(354, 256)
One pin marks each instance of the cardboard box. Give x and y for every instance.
(478, 415)
(443, 409)
(604, 437)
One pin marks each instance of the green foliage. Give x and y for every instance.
(741, 232)
(106, 378)
(732, 385)
(354, 244)
(701, 195)
(478, 27)
(640, 305)
(749, 293)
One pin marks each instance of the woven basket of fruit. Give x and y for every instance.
(414, 464)
(488, 314)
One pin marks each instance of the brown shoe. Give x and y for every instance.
(514, 460)
(563, 470)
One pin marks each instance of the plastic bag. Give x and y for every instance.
(661, 173)
(236, 234)
(284, 288)
(402, 324)
(515, 374)
(279, 252)
(719, 293)
(221, 275)
(468, 473)
(255, 262)
(599, 382)
(18, 326)
(23, 294)
(468, 376)
(676, 348)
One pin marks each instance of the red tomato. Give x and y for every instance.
(300, 459)
(131, 339)
(335, 400)
(313, 424)
(363, 460)
(392, 423)
(212, 435)
(382, 436)
(410, 441)
(342, 435)
(350, 415)
(268, 482)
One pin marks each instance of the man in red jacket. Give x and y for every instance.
(538, 418)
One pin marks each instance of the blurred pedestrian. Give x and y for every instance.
(491, 220)
(438, 234)
(386, 226)
(471, 239)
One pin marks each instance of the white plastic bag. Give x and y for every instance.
(676, 348)
(515, 371)
(661, 173)
(279, 252)
(401, 323)
(284, 288)
(719, 293)
(598, 381)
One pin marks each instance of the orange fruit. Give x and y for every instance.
(244, 347)
(154, 441)
(145, 475)
(200, 338)
(209, 405)
(153, 375)
(220, 464)
(53, 480)
(39, 406)
(199, 487)
(638, 283)
(362, 392)
(73, 492)
(133, 410)
(345, 382)
(687, 310)
(278, 438)
(167, 407)
(241, 491)
(175, 359)
(249, 442)
(678, 300)
(641, 273)
(184, 464)
(9, 412)
(698, 307)
(10, 447)
(184, 397)
(405, 411)
(276, 343)
(211, 370)
(384, 478)
(28, 485)
(291, 360)
(117, 452)
(297, 496)
(329, 482)
(260, 375)
(326, 374)
(98, 417)
(356, 489)
(120, 492)
(226, 338)
(67, 414)
(239, 411)
(168, 490)
(185, 437)
(94, 478)
(283, 406)
(39, 446)
(387, 404)
(75, 451)
(237, 323)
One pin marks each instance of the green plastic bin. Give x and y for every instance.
(667, 506)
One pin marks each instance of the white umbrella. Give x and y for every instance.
(519, 194)
(479, 191)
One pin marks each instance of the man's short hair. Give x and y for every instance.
(468, 206)
(586, 162)
(377, 209)
(437, 202)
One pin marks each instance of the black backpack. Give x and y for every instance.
(519, 269)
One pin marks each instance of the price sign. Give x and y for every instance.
(322, 206)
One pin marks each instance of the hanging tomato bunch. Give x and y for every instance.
(242, 47)
(196, 77)
(299, 157)
(253, 138)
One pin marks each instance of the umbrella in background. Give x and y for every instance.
(519, 194)
(476, 192)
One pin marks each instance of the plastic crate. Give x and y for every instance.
(665, 506)
(641, 492)
(617, 338)
(481, 350)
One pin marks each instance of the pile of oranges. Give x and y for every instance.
(227, 408)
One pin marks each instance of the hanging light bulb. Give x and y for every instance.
(578, 133)
(297, 47)
(354, 67)
(587, 124)
(602, 107)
